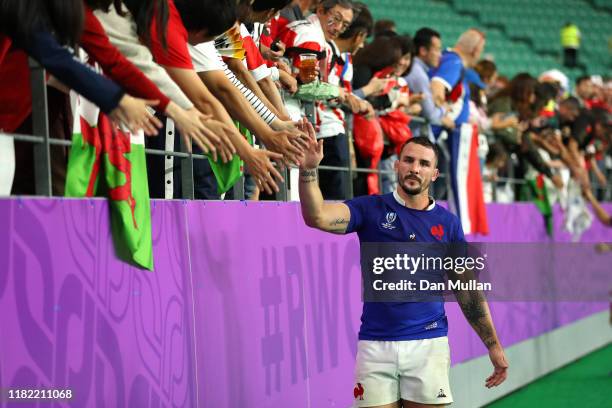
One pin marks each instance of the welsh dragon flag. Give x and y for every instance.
(106, 161)
(540, 199)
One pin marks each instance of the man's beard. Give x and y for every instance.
(423, 186)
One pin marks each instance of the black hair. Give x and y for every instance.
(571, 103)
(103, 5)
(265, 5)
(215, 16)
(422, 141)
(384, 28)
(423, 37)
(64, 18)
(582, 78)
(496, 151)
(407, 47)
(545, 92)
(143, 12)
(381, 53)
(362, 23)
(405, 43)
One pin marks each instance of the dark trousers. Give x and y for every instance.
(334, 183)
(570, 57)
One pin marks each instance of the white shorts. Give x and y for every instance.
(412, 370)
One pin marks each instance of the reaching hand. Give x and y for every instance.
(191, 126)
(448, 122)
(376, 86)
(354, 103)
(500, 367)
(224, 144)
(133, 113)
(258, 163)
(288, 82)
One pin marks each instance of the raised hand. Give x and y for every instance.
(313, 154)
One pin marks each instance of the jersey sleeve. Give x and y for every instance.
(449, 71)
(175, 54)
(255, 62)
(358, 208)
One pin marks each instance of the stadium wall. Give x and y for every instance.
(246, 307)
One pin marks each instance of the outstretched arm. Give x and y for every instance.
(330, 217)
(600, 213)
(476, 310)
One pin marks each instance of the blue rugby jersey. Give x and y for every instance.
(393, 321)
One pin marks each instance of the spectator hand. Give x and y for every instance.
(134, 113)
(288, 82)
(258, 164)
(288, 143)
(415, 109)
(270, 55)
(448, 122)
(355, 104)
(283, 67)
(375, 86)
(417, 97)
(368, 110)
(224, 144)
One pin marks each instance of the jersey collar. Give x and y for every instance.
(400, 200)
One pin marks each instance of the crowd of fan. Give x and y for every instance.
(218, 71)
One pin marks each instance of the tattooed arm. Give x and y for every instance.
(330, 217)
(476, 311)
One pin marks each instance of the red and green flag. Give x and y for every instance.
(540, 199)
(106, 161)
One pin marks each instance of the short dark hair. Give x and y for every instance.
(582, 78)
(423, 37)
(264, 5)
(496, 151)
(405, 43)
(422, 141)
(486, 69)
(363, 22)
(571, 103)
(384, 27)
(381, 53)
(215, 16)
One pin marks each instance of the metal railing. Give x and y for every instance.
(43, 141)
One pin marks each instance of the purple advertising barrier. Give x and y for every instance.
(75, 318)
(246, 307)
(277, 307)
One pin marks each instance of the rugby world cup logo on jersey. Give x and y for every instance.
(390, 219)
